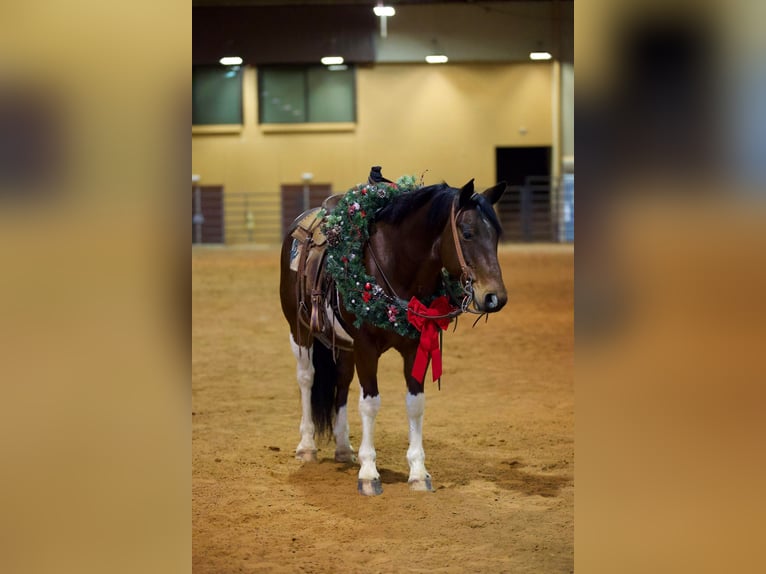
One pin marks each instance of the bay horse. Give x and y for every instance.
(408, 248)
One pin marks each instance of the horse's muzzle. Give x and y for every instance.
(493, 302)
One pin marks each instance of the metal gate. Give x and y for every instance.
(535, 211)
(253, 218)
(541, 210)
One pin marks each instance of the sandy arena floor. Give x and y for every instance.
(499, 437)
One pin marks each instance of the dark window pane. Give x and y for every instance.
(331, 95)
(283, 95)
(306, 94)
(216, 95)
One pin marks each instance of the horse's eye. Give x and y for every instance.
(467, 233)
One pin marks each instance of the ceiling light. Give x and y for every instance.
(437, 59)
(540, 56)
(332, 60)
(231, 60)
(384, 10)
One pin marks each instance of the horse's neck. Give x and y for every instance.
(410, 258)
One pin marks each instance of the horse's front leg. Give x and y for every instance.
(369, 404)
(419, 478)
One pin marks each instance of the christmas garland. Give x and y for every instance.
(347, 230)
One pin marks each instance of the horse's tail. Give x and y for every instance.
(323, 389)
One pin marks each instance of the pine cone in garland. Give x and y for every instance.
(333, 235)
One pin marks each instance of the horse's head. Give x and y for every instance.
(469, 245)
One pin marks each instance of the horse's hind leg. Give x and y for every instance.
(306, 450)
(343, 450)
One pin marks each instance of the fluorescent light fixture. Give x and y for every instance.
(332, 60)
(437, 59)
(337, 67)
(384, 10)
(231, 60)
(540, 56)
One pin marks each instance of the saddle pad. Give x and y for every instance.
(295, 254)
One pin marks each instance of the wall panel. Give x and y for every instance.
(410, 118)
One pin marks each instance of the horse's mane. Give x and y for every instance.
(441, 197)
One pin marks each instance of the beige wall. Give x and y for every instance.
(410, 118)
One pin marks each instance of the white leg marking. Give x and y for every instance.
(416, 456)
(343, 450)
(305, 382)
(368, 409)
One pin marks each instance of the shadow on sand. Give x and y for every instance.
(450, 467)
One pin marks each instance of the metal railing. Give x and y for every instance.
(541, 210)
(253, 218)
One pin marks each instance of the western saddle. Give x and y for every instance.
(315, 290)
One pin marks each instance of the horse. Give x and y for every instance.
(409, 249)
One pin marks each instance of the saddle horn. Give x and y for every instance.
(376, 177)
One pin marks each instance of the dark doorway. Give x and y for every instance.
(525, 209)
(207, 214)
(515, 164)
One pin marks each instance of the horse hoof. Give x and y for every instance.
(421, 485)
(306, 455)
(345, 456)
(369, 487)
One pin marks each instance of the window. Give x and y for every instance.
(306, 94)
(216, 95)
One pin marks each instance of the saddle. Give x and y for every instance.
(313, 287)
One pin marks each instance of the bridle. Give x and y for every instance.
(466, 273)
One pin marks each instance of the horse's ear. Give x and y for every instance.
(466, 193)
(494, 193)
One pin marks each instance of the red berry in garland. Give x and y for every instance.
(368, 286)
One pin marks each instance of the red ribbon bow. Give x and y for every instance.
(425, 320)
